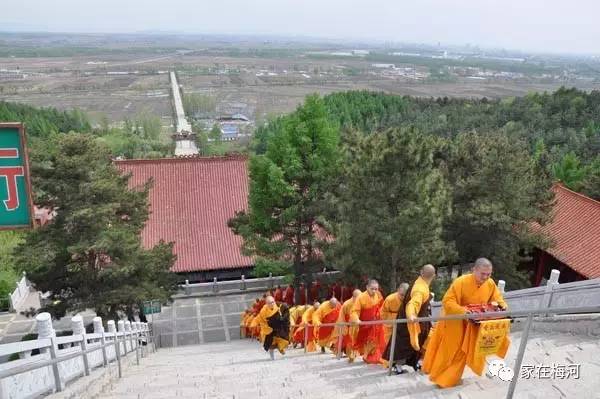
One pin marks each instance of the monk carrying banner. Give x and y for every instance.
(455, 344)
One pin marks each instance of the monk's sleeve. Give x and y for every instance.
(413, 307)
(497, 297)
(355, 312)
(450, 302)
(316, 317)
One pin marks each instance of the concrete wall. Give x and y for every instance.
(198, 320)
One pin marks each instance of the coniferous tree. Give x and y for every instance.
(287, 187)
(390, 207)
(90, 255)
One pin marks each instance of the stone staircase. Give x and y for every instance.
(241, 369)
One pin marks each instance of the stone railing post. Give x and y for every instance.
(550, 286)
(130, 327)
(501, 286)
(112, 329)
(121, 329)
(215, 285)
(188, 289)
(45, 330)
(79, 329)
(243, 283)
(270, 280)
(138, 329)
(99, 329)
(128, 332)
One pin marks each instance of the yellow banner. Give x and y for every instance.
(490, 336)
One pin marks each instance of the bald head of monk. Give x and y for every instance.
(355, 294)
(316, 304)
(428, 273)
(270, 301)
(482, 270)
(333, 301)
(372, 287)
(402, 289)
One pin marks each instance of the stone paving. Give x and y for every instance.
(241, 369)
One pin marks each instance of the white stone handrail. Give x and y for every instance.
(240, 285)
(20, 293)
(63, 359)
(552, 295)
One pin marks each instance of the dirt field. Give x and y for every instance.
(121, 86)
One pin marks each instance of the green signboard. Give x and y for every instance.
(151, 307)
(16, 207)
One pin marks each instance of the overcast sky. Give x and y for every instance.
(535, 25)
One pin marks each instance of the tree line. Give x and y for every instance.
(376, 184)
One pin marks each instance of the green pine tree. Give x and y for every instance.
(390, 207)
(287, 188)
(90, 256)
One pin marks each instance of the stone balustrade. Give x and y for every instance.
(47, 364)
(552, 295)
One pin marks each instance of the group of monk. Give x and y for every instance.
(442, 350)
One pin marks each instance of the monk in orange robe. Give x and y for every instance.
(410, 337)
(348, 333)
(295, 320)
(250, 327)
(306, 323)
(390, 308)
(288, 296)
(327, 313)
(278, 295)
(243, 321)
(370, 340)
(452, 344)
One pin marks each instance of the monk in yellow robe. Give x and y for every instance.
(370, 340)
(390, 308)
(307, 323)
(295, 320)
(243, 320)
(248, 324)
(268, 311)
(452, 344)
(411, 337)
(348, 333)
(327, 313)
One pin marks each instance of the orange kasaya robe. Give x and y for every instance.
(295, 320)
(261, 320)
(243, 321)
(451, 346)
(324, 315)
(248, 325)
(389, 311)
(349, 333)
(370, 340)
(299, 334)
(278, 295)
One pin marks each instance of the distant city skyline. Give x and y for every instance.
(532, 25)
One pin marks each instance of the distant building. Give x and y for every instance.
(575, 234)
(234, 127)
